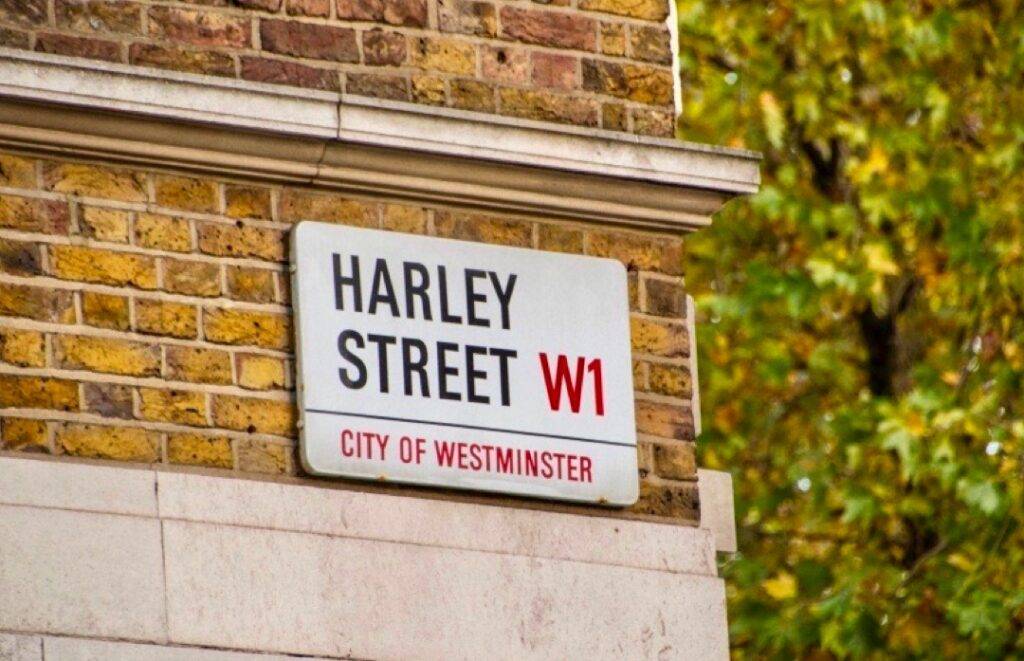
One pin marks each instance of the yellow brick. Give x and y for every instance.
(613, 39)
(650, 10)
(95, 181)
(260, 416)
(300, 205)
(260, 372)
(163, 232)
(675, 461)
(240, 240)
(192, 278)
(560, 239)
(639, 375)
(262, 329)
(428, 90)
(105, 224)
(39, 303)
(403, 218)
(165, 318)
(182, 406)
(488, 229)
(671, 380)
(32, 392)
(102, 266)
(106, 311)
(187, 193)
(24, 434)
(262, 457)
(121, 443)
(101, 354)
(31, 215)
(247, 202)
(197, 450)
(17, 172)
(443, 54)
(198, 365)
(664, 420)
(676, 501)
(25, 348)
(659, 339)
(638, 251)
(247, 284)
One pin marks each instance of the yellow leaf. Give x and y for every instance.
(879, 260)
(960, 561)
(781, 587)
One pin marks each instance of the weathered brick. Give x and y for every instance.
(165, 318)
(41, 304)
(320, 8)
(650, 43)
(162, 232)
(664, 420)
(93, 49)
(633, 290)
(98, 16)
(102, 266)
(636, 82)
(101, 354)
(560, 239)
(31, 392)
(186, 193)
(382, 48)
(675, 461)
(403, 218)
(25, 348)
(241, 240)
(256, 416)
(318, 42)
(247, 202)
(262, 457)
(428, 90)
(665, 298)
(198, 365)
(14, 39)
(184, 407)
(121, 443)
(378, 86)
(650, 10)
(106, 311)
(671, 380)
(198, 450)
(281, 72)
(443, 54)
(671, 501)
(30, 13)
(109, 400)
(614, 117)
(262, 329)
(104, 224)
(260, 372)
(411, 13)
(467, 17)
(638, 252)
(640, 375)
(613, 39)
(31, 215)
(264, 5)
(17, 172)
(300, 205)
(95, 181)
(660, 339)
(202, 28)
(24, 434)
(20, 258)
(472, 95)
(549, 28)
(248, 284)
(488, 229)
(209, 63)
(554, 71)
(546, 106)
(505, 64)
(657, 123)
(191, 278)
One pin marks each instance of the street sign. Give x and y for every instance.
(464, 365)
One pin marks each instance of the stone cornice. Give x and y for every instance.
(58, 105)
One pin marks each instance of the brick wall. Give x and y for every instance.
(594, 63)
(144, 317)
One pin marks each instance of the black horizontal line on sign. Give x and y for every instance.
(474, 427)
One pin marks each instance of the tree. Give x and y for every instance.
(862, 321)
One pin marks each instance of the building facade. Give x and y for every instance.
(154, 157)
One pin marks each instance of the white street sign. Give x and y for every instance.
(463, 365)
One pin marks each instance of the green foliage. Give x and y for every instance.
(862, 321)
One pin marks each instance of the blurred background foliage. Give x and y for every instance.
(861, 326)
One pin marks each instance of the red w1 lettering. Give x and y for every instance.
(572, 383)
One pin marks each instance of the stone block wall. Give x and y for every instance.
(592, 63)
(144, 317)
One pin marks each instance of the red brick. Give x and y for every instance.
(93, 49)
(467, 17)
(412, 13)
(384, 48)
(505, 64)
(555, 71)
(549, 28)
(201, 28)
(318, 42)
(281, 72)
(265, 5)
(320, 8)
